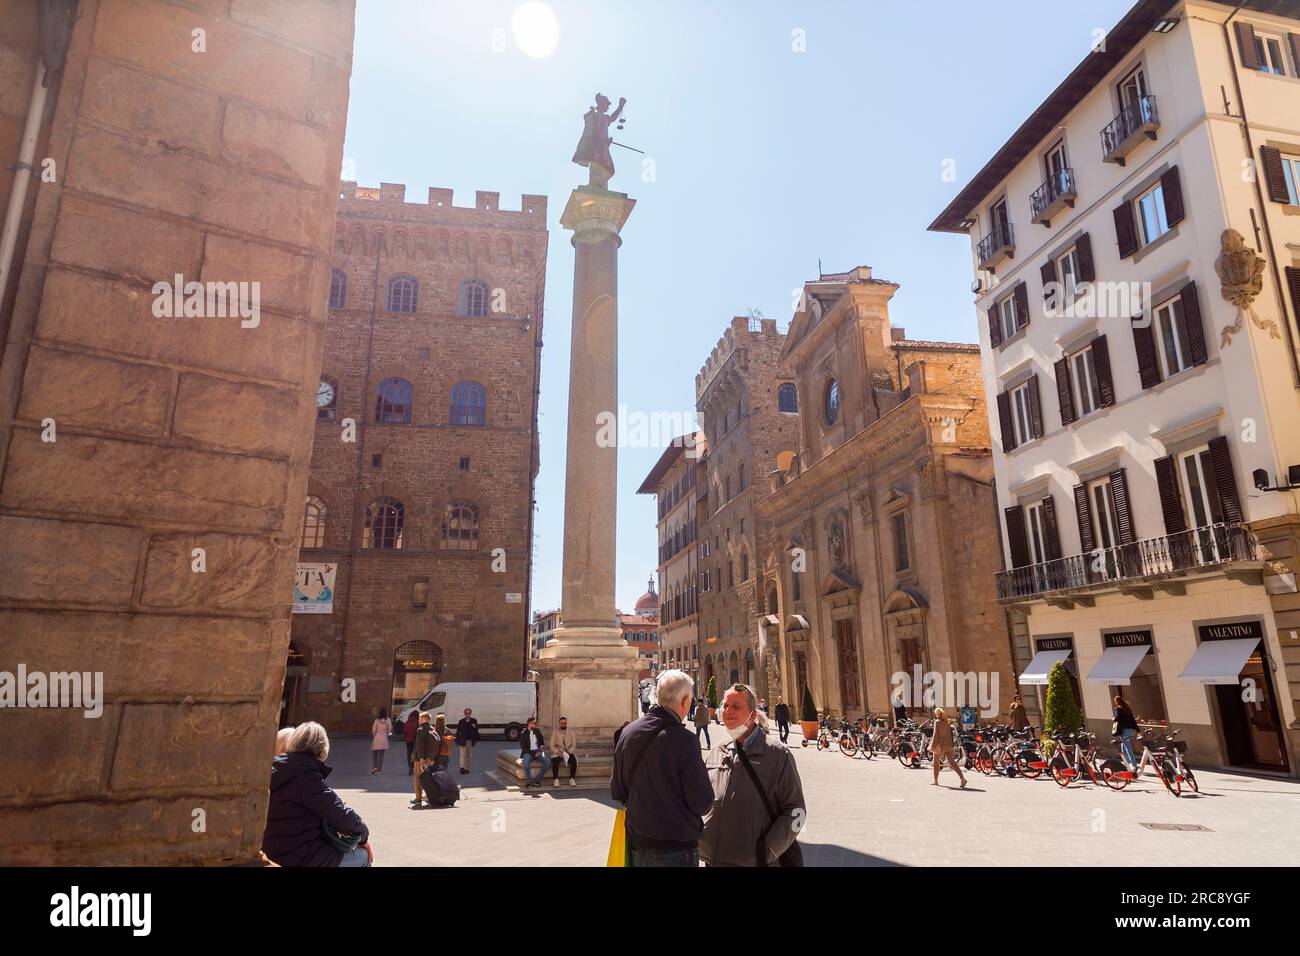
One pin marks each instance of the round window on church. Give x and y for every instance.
(831, 402)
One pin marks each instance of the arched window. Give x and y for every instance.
(393, 402)
(741, 476)
(313, 523)
(468, 404)
(401, 294)
(472, 298)
(787, 398)
(460, 526)
(744, 565)
(338, 288)
(384, 520)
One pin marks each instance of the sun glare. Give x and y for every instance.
(535, 28)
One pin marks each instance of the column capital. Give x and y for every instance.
(591, 209)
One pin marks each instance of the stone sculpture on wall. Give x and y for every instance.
(1241, 274)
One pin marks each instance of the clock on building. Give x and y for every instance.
(325, 395)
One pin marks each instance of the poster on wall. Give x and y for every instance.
(313, 588)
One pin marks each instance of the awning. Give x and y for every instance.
(1041, 666)
(1218, 662)
(1117, 664)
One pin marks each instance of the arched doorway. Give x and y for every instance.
(749, 668)
(733, 664)
(416, 668)
(295, 676)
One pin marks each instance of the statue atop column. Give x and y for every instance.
(593, 147)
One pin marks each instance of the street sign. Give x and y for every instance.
(966, 717)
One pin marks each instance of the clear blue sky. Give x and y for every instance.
(766, 160)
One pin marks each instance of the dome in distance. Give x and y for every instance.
(648, 603)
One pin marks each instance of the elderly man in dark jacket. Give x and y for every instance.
(659, 776)
(301, 800)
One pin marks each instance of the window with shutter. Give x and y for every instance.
(1172, 192)
(1021, 414)
(1246, 45)
(1101, 501)
(1047, 271)
(1005, 422)
(1193, 328)
(1035, 408)
(1101, 363)
(1125, 233)
(1152, 215)
(1293, 283)
(1268, 53)
(1144, 345)
(1225, 479)
(1171, 506)
(1017, 540)
(995, 327)
(1083, 376)
(1021, 296)
(1064, 390)
(1275, 175)
(1123, 513)
(1053, 537)
(1084, 515)
(1083, 250)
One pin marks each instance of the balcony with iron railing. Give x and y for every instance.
(998, 246)
(1056, 193)
(1145, 564)
(1136, 123)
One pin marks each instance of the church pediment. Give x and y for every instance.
(838, 582)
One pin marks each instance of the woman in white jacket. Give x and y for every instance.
(380, 731)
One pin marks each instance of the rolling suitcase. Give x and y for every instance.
(440, 788)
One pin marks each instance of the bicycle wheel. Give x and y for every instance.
(907, 753)
(847, 745)
(1169, 777)
(1030, 764)
(984, 761)
(1061, 770)
(823, 741)
(1113, 772)
(1189, 778)
(865, 749)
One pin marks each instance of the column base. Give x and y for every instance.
(597, 695)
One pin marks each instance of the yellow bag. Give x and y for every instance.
(618, 852)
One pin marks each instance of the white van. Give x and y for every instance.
(498, 707)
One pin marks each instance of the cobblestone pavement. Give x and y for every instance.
(860, 813)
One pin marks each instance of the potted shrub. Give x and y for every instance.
(808, 722)
(711, 696)
(1062, 711)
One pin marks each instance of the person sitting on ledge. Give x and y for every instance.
(563, 744)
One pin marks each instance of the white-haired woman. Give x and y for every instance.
(282, 739)
(942, 746)
(302, 806)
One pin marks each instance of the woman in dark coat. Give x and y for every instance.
(301, 800)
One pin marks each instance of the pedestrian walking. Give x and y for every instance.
(758, 806)
(783, 719)
(380, 731)
(1125, 728)
(302, 806)
(900, 710)
(422, 756)
(532, 750)
(408, 734)
(659, 777)
(443, 740)
(941, 747)
(466, 738)
(563, 744)
(1019, 718)
(702, 722)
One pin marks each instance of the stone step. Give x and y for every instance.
(593, 769)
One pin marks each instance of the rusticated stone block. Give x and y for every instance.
(206, 655)
(52, 751)
(125, 324)
(273, 145)
(194, 745)
(123, 834)
(129, 244)
(100, 393)
(285, 279)
(149, 107)
(130, 480)
(317, 24)
(237, 62)
(65, 561)
(237, 416)
(241, 573)
(187, 185)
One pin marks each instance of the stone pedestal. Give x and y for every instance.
(587, 672)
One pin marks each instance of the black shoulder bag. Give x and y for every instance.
(794, 855)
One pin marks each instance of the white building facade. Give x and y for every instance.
(1143, 362)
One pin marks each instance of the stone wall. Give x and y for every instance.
(171, 434)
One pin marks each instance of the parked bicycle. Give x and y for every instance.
(1164, 755)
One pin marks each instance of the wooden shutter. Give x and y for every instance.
(1083, 249)
(1274, 174)
(1171, 505)
(1035, 408)
(995, 328)
(1192, 326)
(1048, 271)
(1064, 390)
(1246, 45)
(1086, 541)
(1016, 537)
(1123, 512)
(1125, 231)
(1049, 529)
(1101, 368)
(1004, 421)
(1293, 283)
(1171, 185)
(1144, 344)
(1294, 40)
(1022, 305)
(1225, 479)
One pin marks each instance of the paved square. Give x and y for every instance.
(860, 813)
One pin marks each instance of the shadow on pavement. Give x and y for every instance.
(831, 854)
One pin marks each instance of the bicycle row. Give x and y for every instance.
(1000, 750)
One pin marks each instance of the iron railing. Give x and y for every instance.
(999, 237)
(1138, 113)
(1204, 547)
(1059, 185)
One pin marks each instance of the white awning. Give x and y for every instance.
(1117, 664)
(1218, 662)
(1041, 666)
